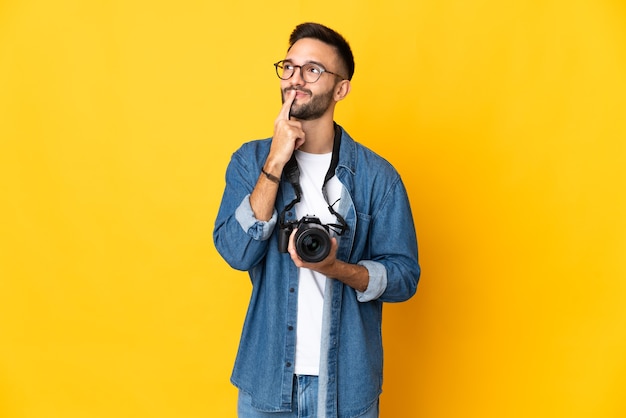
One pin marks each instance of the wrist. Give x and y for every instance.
(273, 168)
(270, 176)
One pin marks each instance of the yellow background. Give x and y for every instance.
(505, 119)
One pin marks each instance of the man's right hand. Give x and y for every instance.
(288, 136)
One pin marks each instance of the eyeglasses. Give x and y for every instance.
(309, 72)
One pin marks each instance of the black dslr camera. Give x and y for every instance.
(312, 239)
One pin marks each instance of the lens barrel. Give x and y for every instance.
(312, 242)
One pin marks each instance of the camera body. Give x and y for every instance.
(312, 240)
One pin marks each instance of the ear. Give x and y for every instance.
(342, 89)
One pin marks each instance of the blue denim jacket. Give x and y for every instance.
(381, 237)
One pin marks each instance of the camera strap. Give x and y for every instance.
(292, 174)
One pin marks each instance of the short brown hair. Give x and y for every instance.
(328, 36)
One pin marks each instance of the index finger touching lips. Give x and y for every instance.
(290, 96)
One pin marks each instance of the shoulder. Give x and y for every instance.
(252, 152)
(372, 159)
(255, 146)
(363, 161)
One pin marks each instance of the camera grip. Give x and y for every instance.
(283, 239)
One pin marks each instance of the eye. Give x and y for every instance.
(314, 69)
(288, 66)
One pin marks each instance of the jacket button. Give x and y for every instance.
(290, 328)
(288, 364)
(292, 290)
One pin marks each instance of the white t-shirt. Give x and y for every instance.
(313, 169)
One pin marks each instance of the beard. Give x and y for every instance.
(314, 109)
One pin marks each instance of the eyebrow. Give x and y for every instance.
(307, 62)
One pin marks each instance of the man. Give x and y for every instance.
(311, 343)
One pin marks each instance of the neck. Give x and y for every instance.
(319, 135)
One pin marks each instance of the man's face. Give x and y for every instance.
(312, 100)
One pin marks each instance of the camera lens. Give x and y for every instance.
(312, 243)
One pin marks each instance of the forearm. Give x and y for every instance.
(263, 197)
(354, 275)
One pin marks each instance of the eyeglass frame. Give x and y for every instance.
(322, 70)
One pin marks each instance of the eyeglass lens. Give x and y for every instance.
(309, 72)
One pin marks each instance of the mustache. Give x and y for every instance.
(296, 88)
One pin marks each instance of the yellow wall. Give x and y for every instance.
(506, 120)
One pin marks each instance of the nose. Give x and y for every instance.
(296, 79)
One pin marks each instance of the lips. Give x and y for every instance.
(300, 93)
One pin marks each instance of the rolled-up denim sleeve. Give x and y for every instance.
(258, 230)
(377, 283)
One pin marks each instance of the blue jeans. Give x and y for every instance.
(303, 400)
